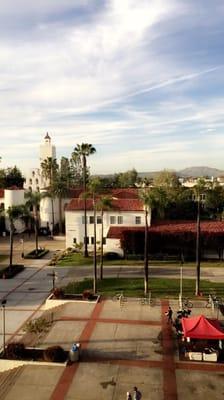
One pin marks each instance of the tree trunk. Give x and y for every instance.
(36, 229)
(101, 247)
(94, 252)
(60, 213)
(146, 256)
(85, 207)
(11, 243)
(198, 250)
(52, 211)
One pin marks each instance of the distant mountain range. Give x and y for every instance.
(194, 172)
(200, 171)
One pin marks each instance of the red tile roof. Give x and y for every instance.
(170, 227)
(123, 200)
(117, 205)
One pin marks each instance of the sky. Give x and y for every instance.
(142, 81)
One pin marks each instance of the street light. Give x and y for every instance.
(181, 280)
(3, 303)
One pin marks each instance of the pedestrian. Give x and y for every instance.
(129, 397)
(137, 394)
(169, 314)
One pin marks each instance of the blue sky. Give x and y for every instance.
(143, 81)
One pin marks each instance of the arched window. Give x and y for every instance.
(31, 181)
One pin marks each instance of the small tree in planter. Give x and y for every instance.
(13, 213)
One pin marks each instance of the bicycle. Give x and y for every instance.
(118, 296)
(187, 303)
(146, 300)
(213, 301)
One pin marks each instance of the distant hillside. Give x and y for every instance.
(194, 172)
(200, 172)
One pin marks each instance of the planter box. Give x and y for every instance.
(34, 255)
(10, 272)
(52, 302)
(33, 356)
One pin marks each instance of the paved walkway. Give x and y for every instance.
(120, 348)
(69, 384)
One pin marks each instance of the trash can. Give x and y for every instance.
(74, 352)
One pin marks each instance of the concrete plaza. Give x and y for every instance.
(121, 348)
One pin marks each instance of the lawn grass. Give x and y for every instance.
(74, 259)
(3, 257)
(134, 287)
(77, 259)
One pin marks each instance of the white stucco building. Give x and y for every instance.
(127, 211)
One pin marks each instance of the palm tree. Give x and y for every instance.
(83, 151)
(49, 168)
(60, 190)
(13, 213)
(154, 198)
(104, 203)
(33, 201)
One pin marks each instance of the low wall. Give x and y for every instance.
(52, 303)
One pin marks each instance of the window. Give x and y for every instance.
(83, 219)
(120, 219)
(37, 181)
(87, 240)
(92, 240)
(104, 240)
(112, 220)
(91, 219)
(30, 181)
(138, 220)
(74, 240)
(98, 219)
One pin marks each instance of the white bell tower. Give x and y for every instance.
(47, 149)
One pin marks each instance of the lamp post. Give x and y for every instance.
(181, 280)
(3, 303)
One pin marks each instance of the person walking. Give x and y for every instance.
(137, 394)
(169, 314)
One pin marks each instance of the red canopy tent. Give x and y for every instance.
(202, 328)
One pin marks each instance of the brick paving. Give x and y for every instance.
(116, 353)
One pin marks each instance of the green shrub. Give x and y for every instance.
(58, 293)
(37, 326)
(55, 354)
(15, 351)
